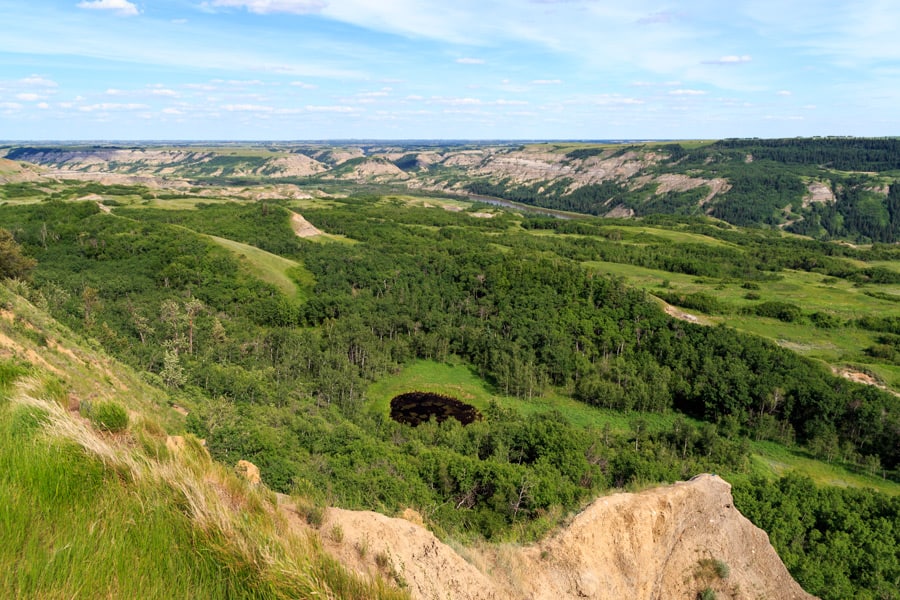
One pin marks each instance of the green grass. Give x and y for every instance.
(838, 347)
(774, 460)
(289, 276)
(70, 527)
(460, 381)
(133, 525)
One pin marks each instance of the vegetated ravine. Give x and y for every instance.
(282, 381)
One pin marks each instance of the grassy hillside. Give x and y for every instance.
(88, 512)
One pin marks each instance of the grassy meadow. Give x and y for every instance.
(452, 378)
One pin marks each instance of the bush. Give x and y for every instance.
(783, 311)
(108, 416)
(824, 320)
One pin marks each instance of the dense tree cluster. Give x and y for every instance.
(838, 543)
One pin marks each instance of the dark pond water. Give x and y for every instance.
(413, 408)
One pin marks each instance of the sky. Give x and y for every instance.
(447, 69)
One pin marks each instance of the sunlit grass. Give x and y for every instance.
(89, 515)
(289, 276)
(453, 378)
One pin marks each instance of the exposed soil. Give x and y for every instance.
(860, 377)
(414, 408)
(649, 545)
(818, 192)
(302, 227)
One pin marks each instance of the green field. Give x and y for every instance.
(459, 381)
(812, 292)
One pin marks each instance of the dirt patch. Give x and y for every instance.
(863, 378)
(673, 311)
(482, 215)
(818, 192)
(302, 227)
(620, 212)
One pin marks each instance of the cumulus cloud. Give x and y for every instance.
(123, 8)
(28, 97)
(731, 59)
(263, 7)
(470, 61)
(784, 93)
(304, 85)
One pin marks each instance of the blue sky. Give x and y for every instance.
(474, 69)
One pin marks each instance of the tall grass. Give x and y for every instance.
(86, 514)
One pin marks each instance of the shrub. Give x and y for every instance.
(783, 311)
(825, 320)
(721, 569)
(108, 416)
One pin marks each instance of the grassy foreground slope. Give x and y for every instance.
(91, 513)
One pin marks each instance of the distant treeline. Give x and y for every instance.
(844, 154)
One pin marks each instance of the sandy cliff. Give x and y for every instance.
(664, 543)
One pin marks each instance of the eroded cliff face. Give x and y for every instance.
(666, 542)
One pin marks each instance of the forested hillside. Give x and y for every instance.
(552, 334)
(827, 188)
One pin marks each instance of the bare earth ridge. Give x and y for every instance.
(658, 544)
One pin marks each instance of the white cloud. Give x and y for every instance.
(122, 8)
(467, 60)
(28, 97)
(172, 111)
(784, 93)
(616, 99)
(264, 7)
(114, 92)
(455, 101)
(731, 59)
(655, 83)
(164, 92)
(110, 106)
(546, 81)
(504, 102)
(10, 105)
(304, 85)
(247, 108)
(335, 108)
(43, 105)
(38, 81)
(687, 92)
(200, 86)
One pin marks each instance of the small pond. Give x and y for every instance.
(413, 408)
